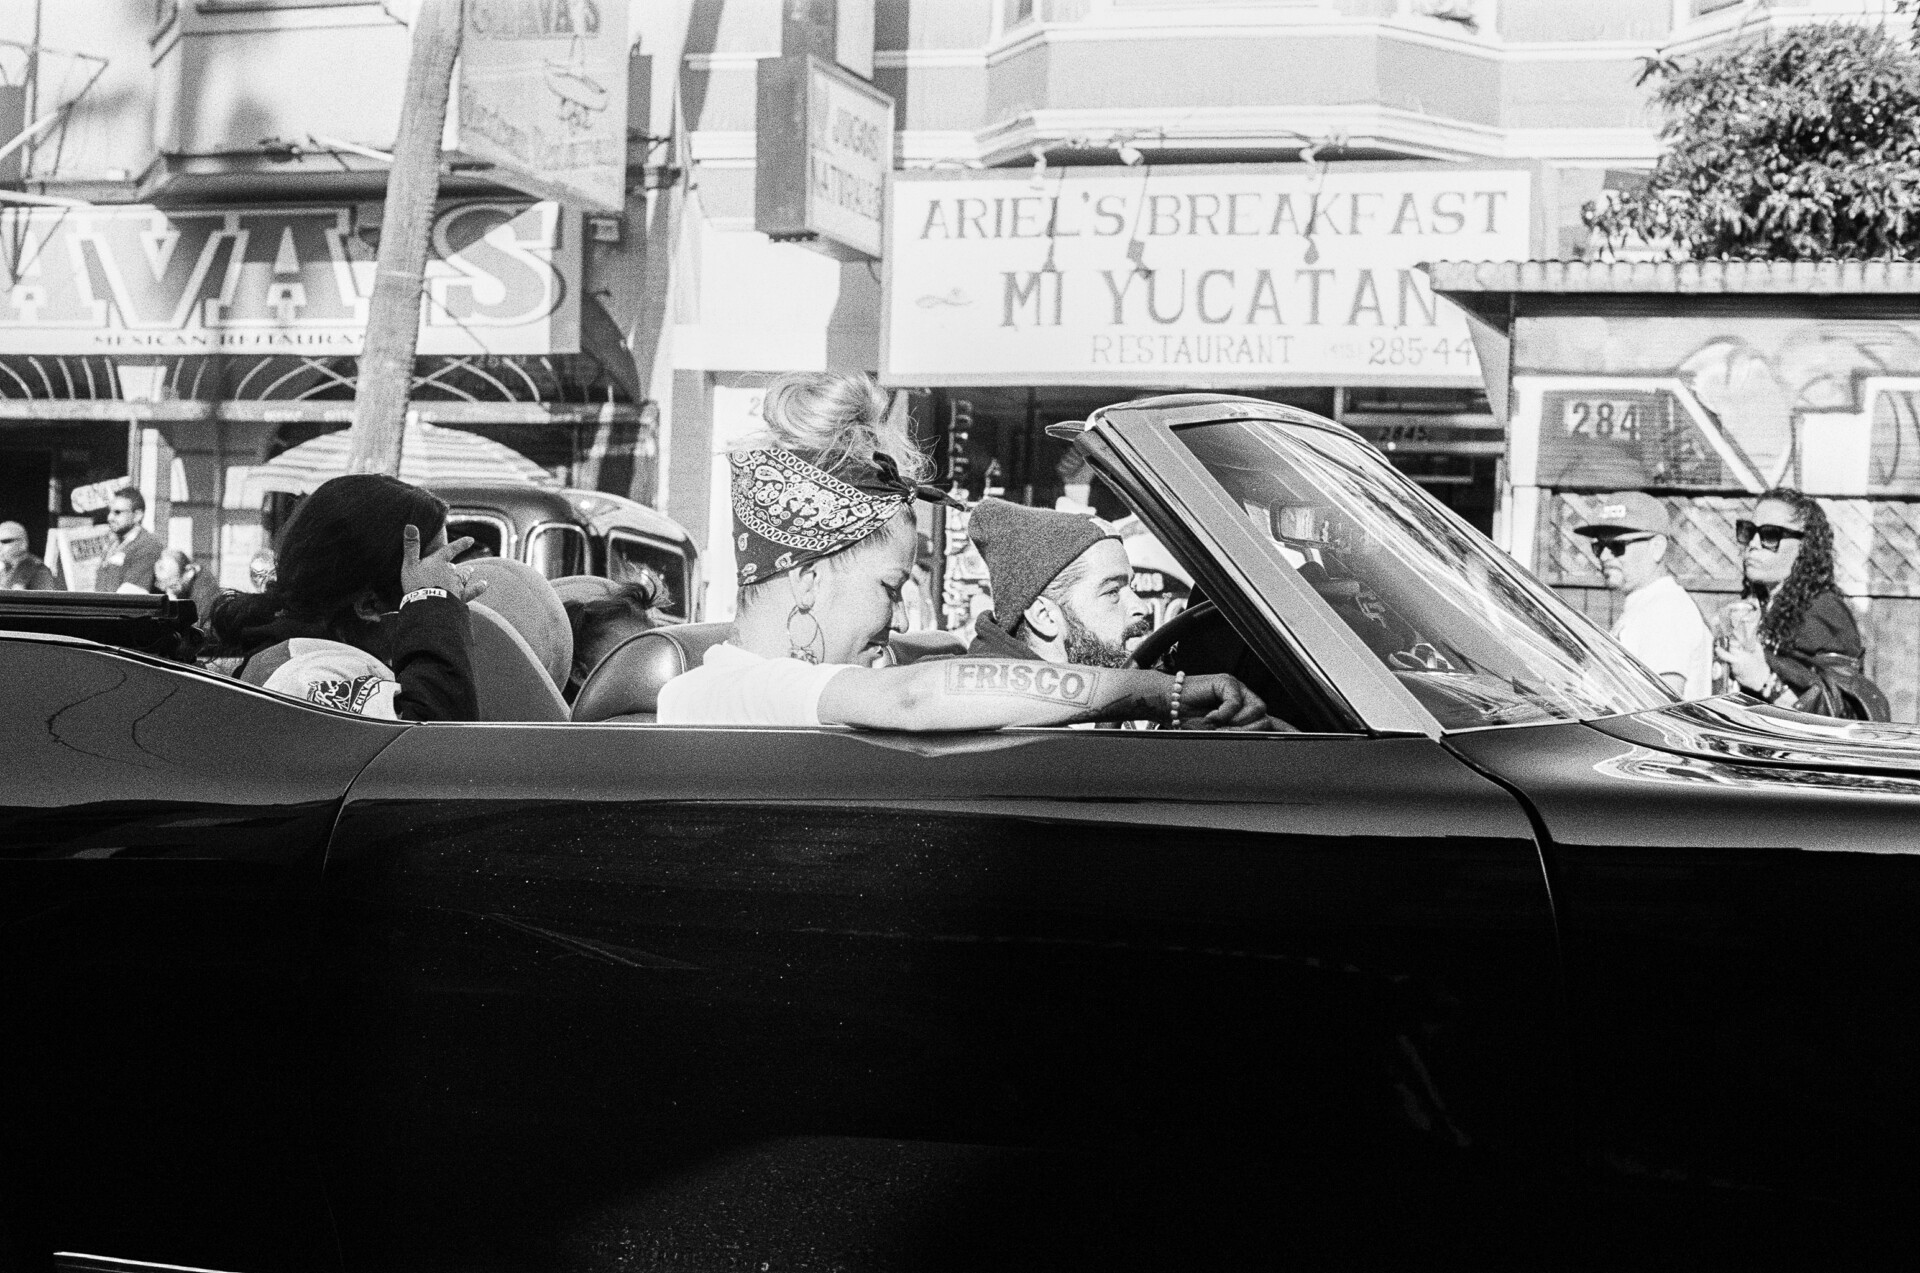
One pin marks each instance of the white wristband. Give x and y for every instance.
(418, 593)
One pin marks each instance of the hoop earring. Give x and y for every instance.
(805, 639)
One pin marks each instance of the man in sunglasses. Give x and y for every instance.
(1660, 625)
(20, 569)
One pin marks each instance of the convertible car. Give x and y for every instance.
(285, 988)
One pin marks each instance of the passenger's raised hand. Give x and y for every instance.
(437, 569)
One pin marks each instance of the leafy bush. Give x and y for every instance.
(1804, 147)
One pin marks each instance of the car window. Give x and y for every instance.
(1476, 639)
(631, 557)
(489, 534)
(557, 550)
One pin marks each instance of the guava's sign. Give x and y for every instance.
(502, 278)
(543, 97)
(1219, 276)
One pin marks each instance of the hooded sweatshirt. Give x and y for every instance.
(427, 673)
(991, 641)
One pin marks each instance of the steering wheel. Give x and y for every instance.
(1154, 646)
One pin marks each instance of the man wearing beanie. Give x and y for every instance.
(1062, 587)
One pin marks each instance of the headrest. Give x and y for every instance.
(522, 596)
(509, 678)
(628, 680)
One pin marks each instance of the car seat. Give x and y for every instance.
(510, 679)
(523, 597)
(928, 643)
(626, 684)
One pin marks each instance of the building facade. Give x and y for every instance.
(1085, 201)
(1098, 199)
(188, 226)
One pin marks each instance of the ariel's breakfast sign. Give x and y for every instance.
(1213, 275)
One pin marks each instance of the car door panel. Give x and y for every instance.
(1739, 953)
(635, 947)
(161, 839)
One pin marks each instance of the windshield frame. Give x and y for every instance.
(1145, 432)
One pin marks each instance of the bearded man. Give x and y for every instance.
(1062, 587)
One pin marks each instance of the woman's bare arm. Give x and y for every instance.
(966, 693)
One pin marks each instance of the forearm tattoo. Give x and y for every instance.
(1044, 681)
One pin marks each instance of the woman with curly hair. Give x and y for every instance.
(1790, 611)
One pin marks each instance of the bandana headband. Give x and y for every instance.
(788, 512)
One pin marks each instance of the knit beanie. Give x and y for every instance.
(1024, 549)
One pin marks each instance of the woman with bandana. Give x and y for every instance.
(825, 540)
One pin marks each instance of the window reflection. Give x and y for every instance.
(1477, 640)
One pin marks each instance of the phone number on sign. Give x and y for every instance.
(1413, 351)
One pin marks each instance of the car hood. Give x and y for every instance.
(1733, 729)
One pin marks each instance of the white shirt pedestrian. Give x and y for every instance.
(1662, 627)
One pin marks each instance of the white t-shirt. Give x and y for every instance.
(1662, 627)
(733, 686)
(336, 675)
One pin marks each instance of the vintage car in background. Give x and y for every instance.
(284, 988)
(559, 531)
(573, 532)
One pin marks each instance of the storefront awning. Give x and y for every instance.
(430, 455)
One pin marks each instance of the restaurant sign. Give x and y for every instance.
(503, 278)
(1217, 276)
(543, 97)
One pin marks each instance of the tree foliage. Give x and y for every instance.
(1803, 147)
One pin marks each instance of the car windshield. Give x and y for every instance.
(1475, 638)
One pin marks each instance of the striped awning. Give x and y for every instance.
(430, 455)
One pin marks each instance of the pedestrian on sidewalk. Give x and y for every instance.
(183, 578)
(129, 567)
(20, 570)
(1660, 625)
(1791, 623)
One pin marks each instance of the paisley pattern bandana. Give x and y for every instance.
(788, 512)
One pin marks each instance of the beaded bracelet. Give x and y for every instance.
(1173, 700)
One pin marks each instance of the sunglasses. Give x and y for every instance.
(1745, 532)
(1617, 545)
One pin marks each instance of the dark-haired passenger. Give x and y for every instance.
(365, 611)
(1790, 609)
(605, 612)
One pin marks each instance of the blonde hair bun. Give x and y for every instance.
(838, 421)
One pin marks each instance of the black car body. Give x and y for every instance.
(286, 988)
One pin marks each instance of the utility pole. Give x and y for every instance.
(413, 184)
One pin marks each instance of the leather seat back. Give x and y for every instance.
(511, 680)
(626, 684)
